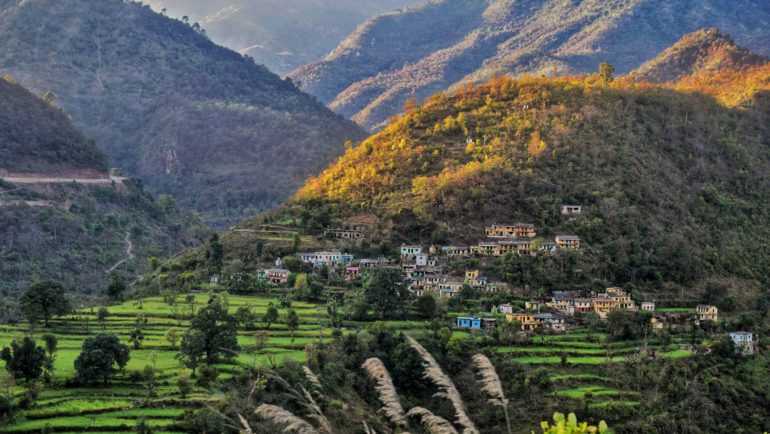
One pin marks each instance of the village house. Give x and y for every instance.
(450, 287)
(648, 306)
(348, 233)
(277, 275)
(563, 302)
(583, 305)
(527, 320)
(548, 248)
(409, 252)
(521, 248)
(457, 251)
(534, 305)
(744, 342)
(603, 305)
(503, 308)
(372, 263)
(330, 259)
(466, 322)
(568, 242)
(485, 248)
(707, 312)
(623, 300)
(351, 272)
(554, 322)
(571, 210)
(516, 230)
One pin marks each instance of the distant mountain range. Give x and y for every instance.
(225, 136)
(75, 232)
(278, 34)
(438, 46)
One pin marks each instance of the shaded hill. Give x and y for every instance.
(71, 231)
(702, 52)
(673, 185)
(416, 53)
(222, 134)
(278, 35)
(51, 146)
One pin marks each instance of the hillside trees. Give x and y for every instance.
(43, 300)
(212, 336)
(24, 360)
(385, 292)
(100, 358)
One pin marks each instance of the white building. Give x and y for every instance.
(744, 342)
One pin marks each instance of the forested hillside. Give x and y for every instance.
(673, 184)
(706, 51)
(225, 136)
(70, 231)
(282, 37)
(416, 53)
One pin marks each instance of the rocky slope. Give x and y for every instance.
(225, 136)
(416, 53)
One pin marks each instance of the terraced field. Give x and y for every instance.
(579, 376)
(117, 408)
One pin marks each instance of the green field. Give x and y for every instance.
(117, 408)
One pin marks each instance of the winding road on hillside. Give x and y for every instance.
(129, 254)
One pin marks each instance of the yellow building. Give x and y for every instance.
(569, 242)
(707, 312)
(527, 320)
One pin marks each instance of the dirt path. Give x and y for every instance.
(129, 254)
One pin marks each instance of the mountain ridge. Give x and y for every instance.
(474, 41)
(225, 136)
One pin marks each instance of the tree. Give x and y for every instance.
(51, 346)
(605, 73)
(270, 316)
(292, 322)
(245, 317)
(332, 309)
(385, 291)
(295, 243)
(215, 254)
(101, 316)
(213, 333)
(136, 336)
(260, 340)
(426, 306)
(99, 357)
(172, 336)
(150, 382)
(24, 360)
(43, 300)
(117, 286)
(142, 427)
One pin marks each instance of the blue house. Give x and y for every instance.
(471, 323)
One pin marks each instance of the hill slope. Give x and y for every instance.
(72, 231)
(224, 135)
(281, 38)
(702, 52)
(673, 185)
(415, 53)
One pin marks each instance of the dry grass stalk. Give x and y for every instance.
(491, 384)
(312, 378)
(434, 373)
(433, 424)
(289, 421)
(386, 391)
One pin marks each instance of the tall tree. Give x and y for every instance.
(215, 254)
(213, 333)
(24, 360)
(99, 357)
(385, 291)
(43, 300)
(292, 322)
(51, 347)
(605, 73)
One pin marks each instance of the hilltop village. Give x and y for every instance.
(489, 301)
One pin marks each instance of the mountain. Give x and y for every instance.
(223, 135)
(673, 180)
(702, 52)
(72, 231)
(278, 35)
(442, 44)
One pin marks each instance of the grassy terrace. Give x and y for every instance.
(117, 408)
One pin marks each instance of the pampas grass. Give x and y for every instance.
(491, 384)
(286, 419)
(312, 379)
(434, 373)
(386, 391)
(433, 424)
